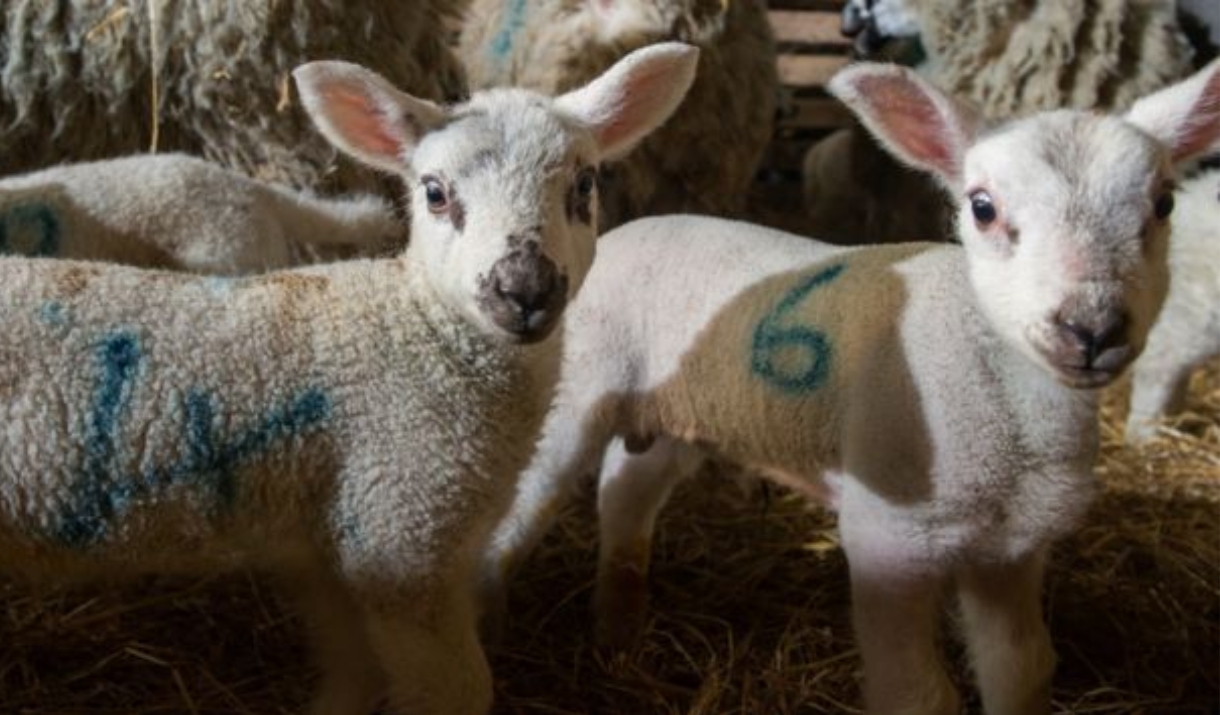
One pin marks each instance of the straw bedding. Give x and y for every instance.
(750, 611)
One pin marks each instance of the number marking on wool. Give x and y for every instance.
(101, 493)
(29, 230)
(775, 345)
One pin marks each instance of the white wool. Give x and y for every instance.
(179, 212)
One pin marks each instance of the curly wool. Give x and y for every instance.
(1015, 58)
(704, 158)
(77, 81)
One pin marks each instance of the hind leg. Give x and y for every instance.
(631, 491)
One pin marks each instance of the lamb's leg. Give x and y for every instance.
(351, 678)
(1158, 389)
(570, 447)
(895, 610)
(1009, 644)
(429, 648)
(631, 491)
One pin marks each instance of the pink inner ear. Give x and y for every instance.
(911, 120)
(635, 104)
(1202, 130)
(361, 121)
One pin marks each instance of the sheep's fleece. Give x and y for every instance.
(79, 78)
(180, 212)
(704, 159)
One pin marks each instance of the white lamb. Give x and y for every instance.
(942, 398)
(355, 428)
(180, 212)
(1187, 332)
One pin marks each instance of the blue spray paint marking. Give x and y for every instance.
(100, 494)
(40, 219)
(53, 313)
(770, 337)
(514, 20)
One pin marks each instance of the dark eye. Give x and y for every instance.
(586, 182)
(435, 194)
(982, 208)
(1163, 206)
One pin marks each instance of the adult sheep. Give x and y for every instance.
(90, 80)
(942, 398)
(179, 212)
(705, 158)
(355, 428)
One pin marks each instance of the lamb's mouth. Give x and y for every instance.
(524, 294)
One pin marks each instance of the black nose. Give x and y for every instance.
(525, 291)
(852, 20)
(1101, 342)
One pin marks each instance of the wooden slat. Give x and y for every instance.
(808, 70)
(810, 27)
(815, 5)
(821, 114)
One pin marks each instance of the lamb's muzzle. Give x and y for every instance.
(525, 293)
(1091, 350)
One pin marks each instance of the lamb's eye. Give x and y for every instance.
(1163, 206)
(435, 194)
(982, 208)
(586, 182)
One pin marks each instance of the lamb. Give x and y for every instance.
(1007, 57)
(942, 398)
(705, 159)
(1187, 333)
(179, 212)
(85, 80)
(353, 428)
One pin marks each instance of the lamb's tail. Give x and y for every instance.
(332, 228)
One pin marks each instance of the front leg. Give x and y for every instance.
(895, 613)
(428, 646)
(351, 680)
(1009, 645)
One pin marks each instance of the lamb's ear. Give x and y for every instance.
(1185, 116)
(633, 97)
(362, 114)
(916, 122)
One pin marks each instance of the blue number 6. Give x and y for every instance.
(770, 337)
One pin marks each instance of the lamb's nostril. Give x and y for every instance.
(1097, 338)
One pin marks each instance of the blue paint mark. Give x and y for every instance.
(770, 337)
(53, 313)
(38, 218)
(219, 285)
(514, 20)
(209, 463)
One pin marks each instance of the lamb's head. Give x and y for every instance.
(503, 188)
(1063, 215)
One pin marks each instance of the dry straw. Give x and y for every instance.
(749, 612)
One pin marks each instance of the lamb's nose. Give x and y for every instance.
(528, 279)
(1101, 342)
(525, 292)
